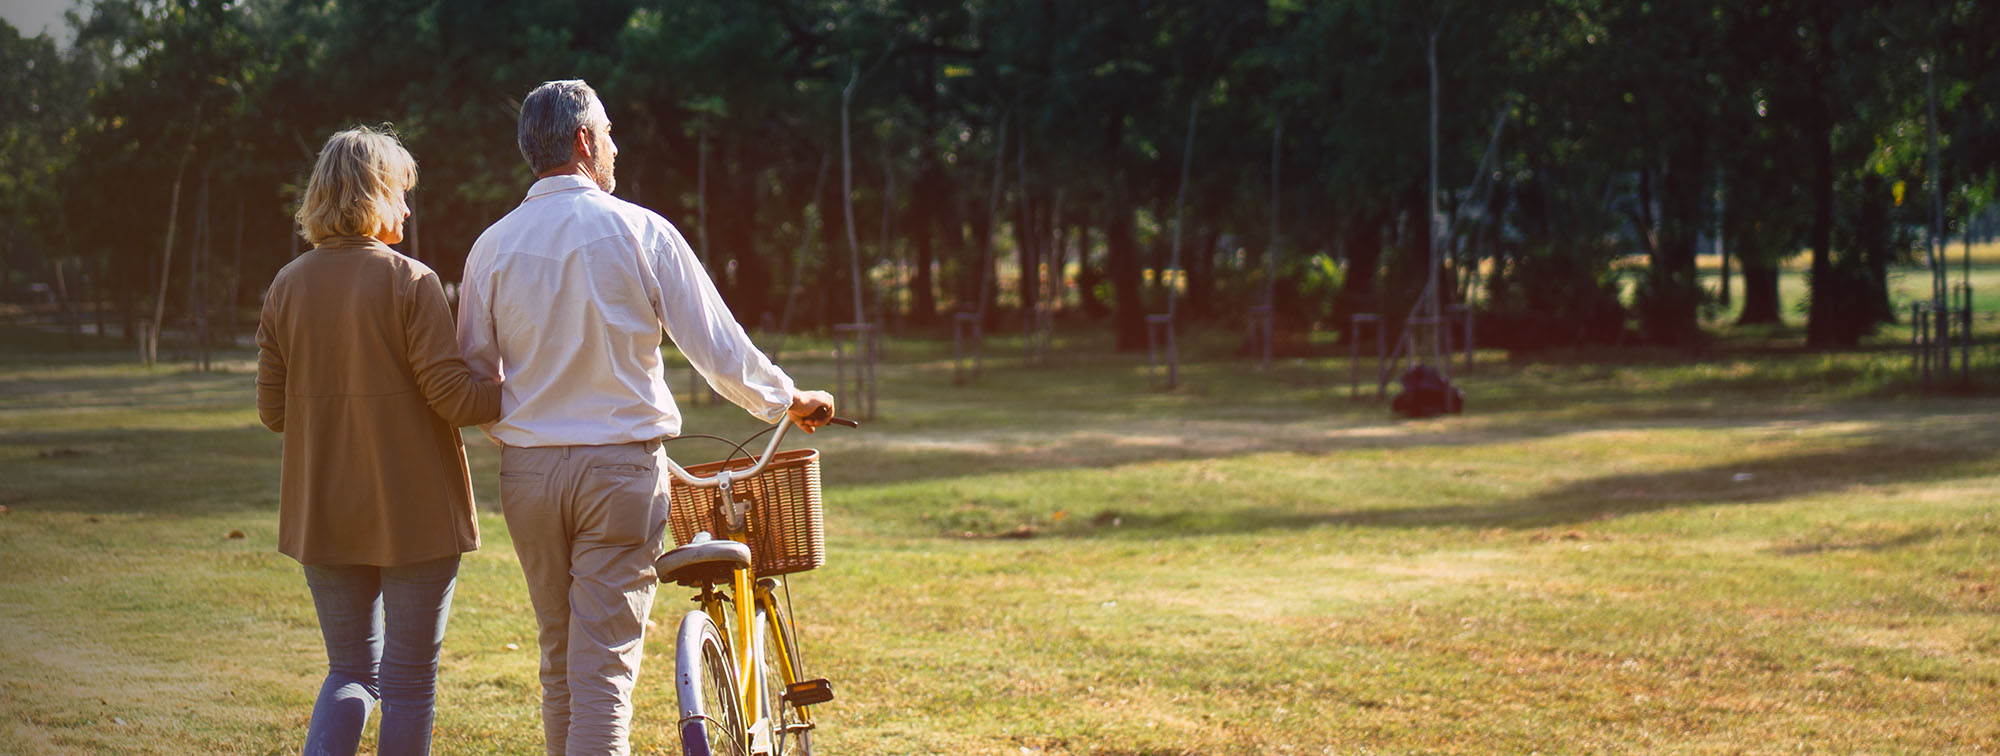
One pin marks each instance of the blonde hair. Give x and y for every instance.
(357, 185)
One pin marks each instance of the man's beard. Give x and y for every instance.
(601, 167)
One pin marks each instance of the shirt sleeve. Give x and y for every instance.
(707, 333)
(477, 344)
(475, 322)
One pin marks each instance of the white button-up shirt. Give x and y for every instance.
(565, 298)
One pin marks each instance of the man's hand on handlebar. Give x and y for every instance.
(811, 409)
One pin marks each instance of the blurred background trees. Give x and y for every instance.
(1004, 154)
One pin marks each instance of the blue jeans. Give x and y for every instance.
(365, 664)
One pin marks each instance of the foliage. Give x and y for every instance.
(990, 140)
(1545, 296)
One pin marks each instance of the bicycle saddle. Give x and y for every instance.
(704, 561)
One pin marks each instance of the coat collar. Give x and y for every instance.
(351, 242)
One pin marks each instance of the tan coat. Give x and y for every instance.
(358, 365)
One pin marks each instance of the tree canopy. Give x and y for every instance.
(995, 156)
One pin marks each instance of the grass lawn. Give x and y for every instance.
(1907, 284)
(1791, 553)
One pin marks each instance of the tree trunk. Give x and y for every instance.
(66, 303)
(1364, 258)
(6, 251)
(1760, 293)
(1276, 234)
(964, 228)
(236, 275)
(1122, 260)
(825, 294)
(1201, 276)
(934, 201)
(1180, 199)
(198, 263)
(1156, 266)
(1820, 314)
(807, 213)
(1721, 244)
(923, 295)
(748, 286)
(1409, 273)
(1874, 229)
(128, 301)
(1088, 275)
(95, 286)
(67, 291)
(1028, 260)
(152, 350)
(1027, 236)
(1723, 297)
(847, 194)
(885, 250)
(1671, 314)
(1058, 256)
(986, 236)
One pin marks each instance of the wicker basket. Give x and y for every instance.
(787, 530)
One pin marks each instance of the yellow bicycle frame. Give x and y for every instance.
(747, 595)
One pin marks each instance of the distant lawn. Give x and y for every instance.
(1906, 284)
(1640, 555)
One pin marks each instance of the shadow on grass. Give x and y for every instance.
(1765, 481)
(140, 471)
(182, 389)
(1873, 545)
(1107, 439)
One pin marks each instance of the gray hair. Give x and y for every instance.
(550, 116)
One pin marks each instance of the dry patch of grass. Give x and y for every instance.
(1746, 557)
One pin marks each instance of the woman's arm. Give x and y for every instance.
(432, 345)
(270, 370)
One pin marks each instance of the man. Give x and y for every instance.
(566, 298)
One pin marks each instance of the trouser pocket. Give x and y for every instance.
(625, 504)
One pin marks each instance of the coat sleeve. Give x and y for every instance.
(270, 369)
(449, 387)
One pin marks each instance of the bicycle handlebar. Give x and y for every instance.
(724, 476)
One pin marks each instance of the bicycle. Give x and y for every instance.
(734, 656)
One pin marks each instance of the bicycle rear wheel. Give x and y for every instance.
(788, 729)
(711, 721)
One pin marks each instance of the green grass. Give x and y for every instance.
(1638, 553)
(1906, 285)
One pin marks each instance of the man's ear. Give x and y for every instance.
(582, 145)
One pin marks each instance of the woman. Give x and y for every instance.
(358, 366)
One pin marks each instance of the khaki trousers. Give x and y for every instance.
(587, 523)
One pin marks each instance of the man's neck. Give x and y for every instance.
(577, 169)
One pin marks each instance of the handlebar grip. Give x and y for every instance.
(825, 414)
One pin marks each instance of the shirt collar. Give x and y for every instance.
(560, 183)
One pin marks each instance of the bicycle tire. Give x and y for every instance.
(711, 722)
(774, 630)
